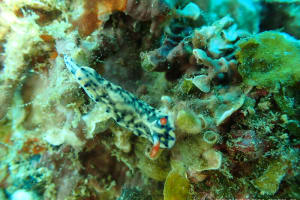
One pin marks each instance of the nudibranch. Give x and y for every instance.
(126, 109)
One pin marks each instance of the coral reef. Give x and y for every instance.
(222, 77)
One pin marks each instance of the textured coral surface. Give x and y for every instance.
(224, 73)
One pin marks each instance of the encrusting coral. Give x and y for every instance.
(269, 58)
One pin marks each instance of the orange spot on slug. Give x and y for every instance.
(154, 150)
(163, 121)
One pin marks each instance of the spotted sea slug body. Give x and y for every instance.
(127, 110)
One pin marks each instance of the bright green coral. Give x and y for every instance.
(269, 58)
(187, 86)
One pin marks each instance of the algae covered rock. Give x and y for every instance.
(288, 99)
(268, 183)
(269, 58)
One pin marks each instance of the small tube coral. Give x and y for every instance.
(210, 137)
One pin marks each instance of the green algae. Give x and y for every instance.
(187, 86)
(268, 183)
(177, 185)
(269, 58)
(288, 99)
(285, 104)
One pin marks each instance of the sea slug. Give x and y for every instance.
(127, 110)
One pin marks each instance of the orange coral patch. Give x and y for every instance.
(38, 149)
(19, 13)
(89, 21)
(31, 146)
(53, 55)
(109, 6)
(47, 38)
